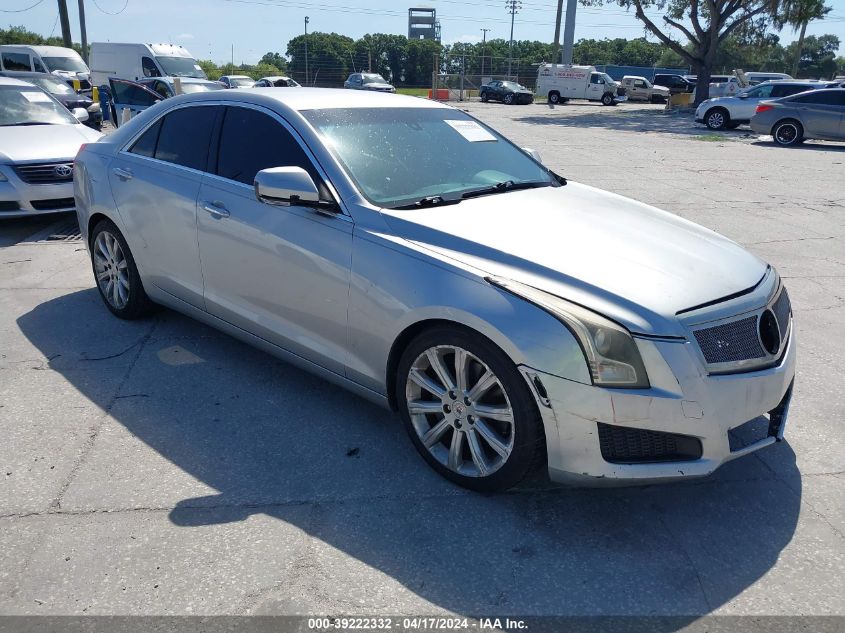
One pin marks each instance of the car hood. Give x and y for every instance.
(630, 261)
(28, 143)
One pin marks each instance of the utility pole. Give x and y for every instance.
(63, 18)
(83, 30)
(556, 47)
(483, 44)
(569, 31)
(513, 6)
(306, 51)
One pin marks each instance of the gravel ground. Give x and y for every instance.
(159, 467)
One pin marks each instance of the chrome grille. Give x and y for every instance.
(782, 309)
(45, 173)
(730, 342)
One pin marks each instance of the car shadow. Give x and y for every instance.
(271, 439)
(809, 145)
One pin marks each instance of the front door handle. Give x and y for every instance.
(216, 209)
(123, 174)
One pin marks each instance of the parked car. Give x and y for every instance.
(276, 82)
(39, 139)
(819, 114)
(368, 81)
(136, 61)
(731, 112)
(128, 98)
(236, 81)
(508, 92)
(57, 60)
(460, 286)
(562, 82)
(675, 83)
(641, 89)
(166, 86)
(66, 95)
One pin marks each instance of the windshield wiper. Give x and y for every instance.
(429, 201)
(26, 123)
(501, 187)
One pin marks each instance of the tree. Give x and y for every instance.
(798, 14)
(210, 69)
(329, 58)
(274, 59)
(817, 57)
(705, 24)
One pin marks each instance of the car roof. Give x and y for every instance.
(313, 98)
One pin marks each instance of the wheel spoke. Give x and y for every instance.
(115, 295)
(103, 275)
(492, 439)
(501, 413)
(477, 453)
(487, 380)
(101, 245)
(456, 450)
(435, 433)
(437, 365)
(426, 383)
(461, 369)
(424, 406)
(121, 265)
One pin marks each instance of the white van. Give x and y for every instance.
(562, 82)
(136, 61)
(755, 78)
(64, 62)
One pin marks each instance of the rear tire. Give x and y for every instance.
(116, 274)
(788, 132)
(554, 97)
(483, 431)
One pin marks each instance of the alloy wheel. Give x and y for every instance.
(111, 270)
(716, 120)
(460, 411)
(786, 134)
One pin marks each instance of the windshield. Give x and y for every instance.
(31, 106)
(607, 78)
(191, 87)
(54, 86)
(241, 82)
(65, 63)
(398, 156)
(181, 67)
(374, 79)
(513, 85)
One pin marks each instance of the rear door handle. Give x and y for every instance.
(123, 174)
(216, 209)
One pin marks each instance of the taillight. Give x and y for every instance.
(763, 108)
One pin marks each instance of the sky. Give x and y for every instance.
(212, 29)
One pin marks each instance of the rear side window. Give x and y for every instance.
(184, 136)
(836, 97)
(16, 61)
(251, 141)
(146, 145)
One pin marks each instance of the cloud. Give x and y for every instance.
(185, 36)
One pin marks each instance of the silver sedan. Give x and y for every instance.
(405, 251)
(818, 114)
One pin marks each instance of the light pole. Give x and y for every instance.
(83, 30)
(513, 6)
(306, 50)
(483, 44)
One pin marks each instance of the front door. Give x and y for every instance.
(128, 98)
(280, 272)
(595, 89)
(155, 182)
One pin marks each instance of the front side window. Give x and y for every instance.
(125, 93)
(761, 92)
(387, 153)
(639, 83)
(16, 61)
(180, 67)
(596, 78)
(251, 141)
(184, 136)
(149, 68)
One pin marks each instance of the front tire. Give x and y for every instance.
(116, 273)
(788, 132)
(607, 99)
(508, 100)
(484, 97)
(468, 410)
(717, 119)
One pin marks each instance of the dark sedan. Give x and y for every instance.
(819, 114)
(66, 95)
(508, 92)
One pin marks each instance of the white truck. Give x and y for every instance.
(136, 61)
(62, 62)
(562, 82)
(639, 88)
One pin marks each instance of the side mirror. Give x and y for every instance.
(533, 153)
(81, 114)
(743, 95)
(289, 185)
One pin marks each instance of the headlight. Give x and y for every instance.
(611, 352)
(94, 107)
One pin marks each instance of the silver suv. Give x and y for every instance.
(731, 112)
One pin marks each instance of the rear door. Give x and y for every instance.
(821, 113)
(129, 97)
(155, 181)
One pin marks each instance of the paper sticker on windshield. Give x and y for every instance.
(471, 131)
(35, 97)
